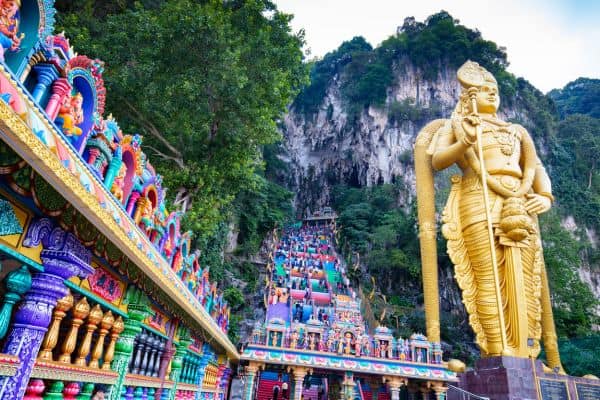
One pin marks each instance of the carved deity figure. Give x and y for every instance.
(493, 205)
(294, 341)
(311, 341)
(9, 26)
(366, 346)
(399, 349)
(71, 114)
(347, 343)
(384, 349)
(119, 183)
(357, 344)
(330, 344)
(147, 216)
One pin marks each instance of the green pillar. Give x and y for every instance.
(17, 283)
(177, 363)
(138, 309)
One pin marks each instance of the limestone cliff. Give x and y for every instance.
(375, 146)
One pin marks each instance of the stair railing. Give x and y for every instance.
(464, 395)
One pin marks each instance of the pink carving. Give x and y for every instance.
(70, 391)
(94, 153)
(34, 390)
(132, 201)
(105, 285)
(60, 88)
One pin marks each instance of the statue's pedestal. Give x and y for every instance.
(501, 378)
(511, 378)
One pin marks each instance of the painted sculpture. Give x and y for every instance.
(493, 205)
(70, 115)
(10, 39)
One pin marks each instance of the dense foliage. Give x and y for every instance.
(373, 224)
(204, 82)
(581, 96)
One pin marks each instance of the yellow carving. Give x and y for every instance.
(51, 339)
(116, 330)
(80, 312)
(493, 205)
(92, 324)
(105, 325)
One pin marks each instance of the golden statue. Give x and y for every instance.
(490, 222)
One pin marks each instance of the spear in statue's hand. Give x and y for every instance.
(475, 120)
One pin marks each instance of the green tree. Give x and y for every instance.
(204, 82)
(572, 300)
(581, 96)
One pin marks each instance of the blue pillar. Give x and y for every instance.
(113, 168)
(202, 368)
(46, 74)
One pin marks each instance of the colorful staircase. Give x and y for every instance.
(268, 381)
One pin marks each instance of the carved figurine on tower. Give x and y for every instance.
(489, 222)
(70, 115)
(9, 26)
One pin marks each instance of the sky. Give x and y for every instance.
(548, 42)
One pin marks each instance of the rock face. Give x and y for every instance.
(371, 147)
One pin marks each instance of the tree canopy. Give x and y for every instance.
(203, 82)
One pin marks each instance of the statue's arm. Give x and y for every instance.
(541, 199)
(448, 150)
(541, 181)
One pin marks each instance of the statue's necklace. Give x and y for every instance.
(505, 136)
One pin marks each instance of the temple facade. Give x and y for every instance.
(315, 344)
(102, 295)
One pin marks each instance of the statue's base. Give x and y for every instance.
(511, 378)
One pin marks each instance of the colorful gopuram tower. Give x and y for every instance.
(101, 294)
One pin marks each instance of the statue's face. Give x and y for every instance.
(77, 102)
(488, 99)
(11, 7)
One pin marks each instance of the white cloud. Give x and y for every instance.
(548, 42)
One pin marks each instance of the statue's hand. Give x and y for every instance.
(465, 129)
(469, 125)
(537, 204)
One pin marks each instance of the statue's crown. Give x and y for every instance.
(471, 74)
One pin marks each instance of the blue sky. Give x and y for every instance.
(550, 43)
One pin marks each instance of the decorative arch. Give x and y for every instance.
(150, 191)
(185, 243)
(129, 158)
(83, 82)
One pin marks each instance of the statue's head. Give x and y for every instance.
(10, 7)
(77, 101)
(475, 78)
